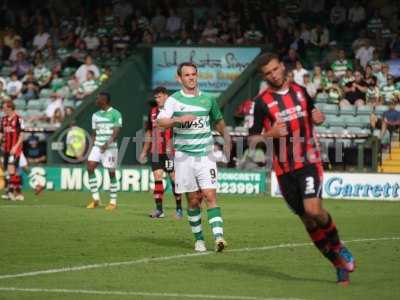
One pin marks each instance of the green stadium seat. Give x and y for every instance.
(45, 93)
(365, 121)
(69, 103)
(67, 72)
(348, 110)
(364, 110)
(334, 121)
(330, 109)
(320, 106)
(380, 109)
(33, 112)
(321, 98)
(34, 105)
(351, 121)
(20, 104)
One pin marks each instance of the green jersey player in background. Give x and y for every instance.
(192, 113)
(106, 125)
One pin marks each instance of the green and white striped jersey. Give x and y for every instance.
(339, 67)
(103, 123)
(193, 138)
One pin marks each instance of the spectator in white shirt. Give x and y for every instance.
(309, 85)
(91, 40)
(14, 86)
(357, 14)
(283, 20)
(81, 73)
(298, 73)
(320, 36)
(210, 33)
(40, 39)
(364, 54)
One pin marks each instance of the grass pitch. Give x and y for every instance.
(126, 255)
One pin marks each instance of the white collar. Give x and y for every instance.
(191, 96)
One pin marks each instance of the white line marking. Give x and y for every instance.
(130, 293)
(166, 258)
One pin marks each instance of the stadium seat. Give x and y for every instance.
(319, 105)
(20, 104)
(365, 121)
(352, 121)
(45, 93)
(330, 109)
(348, 110)
(364, 110)
(33, 112)
(34, 105)
(333, 121)
(70, 103)
(380, 109)
(321, 98)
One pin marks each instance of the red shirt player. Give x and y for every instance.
(284, 114)
(11, 132)
(159, 142)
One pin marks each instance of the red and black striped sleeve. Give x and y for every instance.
(259, 116)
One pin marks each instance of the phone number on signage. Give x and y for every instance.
(238, 188)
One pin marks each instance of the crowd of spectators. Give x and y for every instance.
(58, 52)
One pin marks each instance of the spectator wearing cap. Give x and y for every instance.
(81, 73)
(34, 152)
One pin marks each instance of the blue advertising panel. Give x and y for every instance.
(218, 67)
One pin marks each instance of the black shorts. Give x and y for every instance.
(162, 162)
(9, 159)
(299, 185)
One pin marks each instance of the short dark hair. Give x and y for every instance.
(9, 104)
(160, 90)
(266, 58)
(185, 64)
(107, 95)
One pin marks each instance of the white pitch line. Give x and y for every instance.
(131, 293)
(173, 257)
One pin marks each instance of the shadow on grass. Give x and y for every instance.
(261, 271)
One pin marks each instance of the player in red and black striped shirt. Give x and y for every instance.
(11, 132)
(159, 142)
(285, 114)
